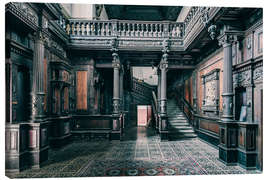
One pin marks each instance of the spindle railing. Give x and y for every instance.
(81, 27)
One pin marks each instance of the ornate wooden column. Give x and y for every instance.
(121, 90)
(38, 126)
(38, 74)
(91, 87)
(163, 124)
(115, 135)
(227, 126)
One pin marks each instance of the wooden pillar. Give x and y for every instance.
(228, 128)
(163, 92)
(38, 75)
(115, 135)
(38, 127)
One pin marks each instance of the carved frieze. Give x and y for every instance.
(242, 78)
(57, 47)
(204, 15)
(211, 92)
(26, 12)
(258, 74)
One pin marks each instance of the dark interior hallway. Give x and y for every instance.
(114, 95)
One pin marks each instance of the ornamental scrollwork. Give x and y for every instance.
(204, 12)
(114, 45)
(242, 78)
(258, 74)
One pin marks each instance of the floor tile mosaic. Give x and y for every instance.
(142, 155)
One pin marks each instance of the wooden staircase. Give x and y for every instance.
(179, 128)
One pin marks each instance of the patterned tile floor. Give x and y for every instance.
(141, 153)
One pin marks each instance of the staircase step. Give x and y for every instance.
(179, 124)
(177, 120)
(180, 128)
(182, 131)
(178, 136)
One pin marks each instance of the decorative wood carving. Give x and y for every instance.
(211, 93)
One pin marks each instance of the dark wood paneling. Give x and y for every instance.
(209, 126)
(66, 99)
(81, 90)
(57, 100)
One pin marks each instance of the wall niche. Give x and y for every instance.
(210, 104)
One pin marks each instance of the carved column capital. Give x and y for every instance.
(229, 37)
(163, 64)
(41, 37)
(116, 61)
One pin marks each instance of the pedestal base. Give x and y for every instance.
(228, 155)
(115, 135)
(38, 144)
(37, 158)
(164, 135)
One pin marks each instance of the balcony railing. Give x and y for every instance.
(97, 28)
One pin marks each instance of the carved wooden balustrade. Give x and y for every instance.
(142, 88)
(97, 28)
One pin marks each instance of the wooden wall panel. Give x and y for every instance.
(57, 100)
(66, 98)
(81, 90)
(209, 126)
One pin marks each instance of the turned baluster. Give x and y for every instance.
(158, 30)
(161, 30)
(155, 32)
(94, 29)
(80, 29)
(143, 30)
(138, 30)
(102, 28)
(133, 29)
(151, 30)
(83, 29)
(108, 29)
(128, 29)
(147, 30)
(75, 28)
(86, 26)
(122, 32)
(98, 29)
